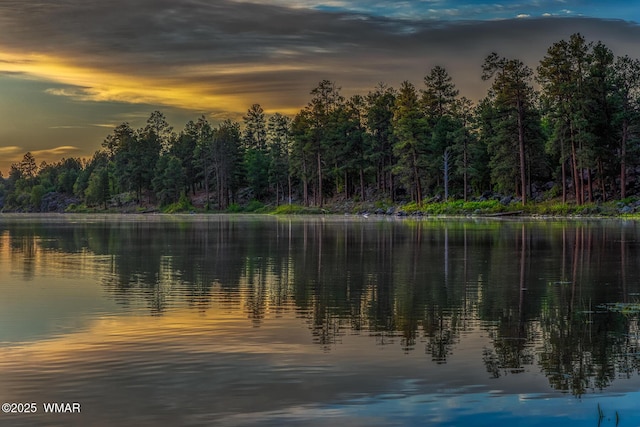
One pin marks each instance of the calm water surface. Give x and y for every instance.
(253, 321)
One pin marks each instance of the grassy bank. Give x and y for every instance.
(628, 208)
(461, 208)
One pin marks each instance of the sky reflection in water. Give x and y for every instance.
(263, 321)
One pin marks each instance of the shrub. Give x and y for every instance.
(296, 210)
(73, 208)
(254, 206)
(234, 208)
(182, 205)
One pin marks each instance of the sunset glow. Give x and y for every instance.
(69, 73)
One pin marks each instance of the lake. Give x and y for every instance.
(192, 320)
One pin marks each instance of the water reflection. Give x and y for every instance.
(542, 293)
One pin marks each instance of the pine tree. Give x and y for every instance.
(409, 129)
(512, 95)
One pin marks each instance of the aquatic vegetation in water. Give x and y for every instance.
(602, 417)
(632, 308)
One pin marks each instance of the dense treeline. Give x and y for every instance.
(567, 129)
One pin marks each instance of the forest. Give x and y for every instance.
(566, 131)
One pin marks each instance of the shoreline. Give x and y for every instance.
(314, 212)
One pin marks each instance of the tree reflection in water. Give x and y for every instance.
(544, 292)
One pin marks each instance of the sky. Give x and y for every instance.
(72, 70)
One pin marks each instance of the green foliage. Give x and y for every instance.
(97, 192)
(629, 200)
(513, 119)
(410, 132)
(296, 210)
(254, 206)
(73, 208)
(383, 204)
(169, 180)
(558, 208)
(226, 160)
(457, 207)
(37, 192)
(551, 208)
(182, 205)
(135, 154)
(279, 146)
(234, 208)
(378, 119)
(257, 165)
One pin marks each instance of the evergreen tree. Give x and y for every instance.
(28, 167)
(626, 113)
(325, 100)
(600, 153)
(438, 101)
(513, 96)
(439, 96)
(256, 156)
(562, 74)
(183, 146)
(169, 180)
(279, 145)
(163, 132)
(227, 161)
(410, 132)
(99, 162)
(301, 151)
(203, 154)
(379, 118)
(464, 141)
(97, 191)
(132, 167)
(357, 143)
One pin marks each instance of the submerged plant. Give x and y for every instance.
(601, 416)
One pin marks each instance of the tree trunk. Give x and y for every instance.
(392, 190)
(464, 175)
(319, 193)
(362, 184)
(206, 186)
(446, 175)
(623, 159)
(603, 188)
(577, 180)
(305, 182)
(523, 180)
(416, 177)
(564, 175)
(589, 186)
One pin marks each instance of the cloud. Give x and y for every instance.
(71, 92)
(221, 57)
(52, 155)
(66, 127)
(10, 150)
(10, 154)
(15, 154)
(105, 125)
